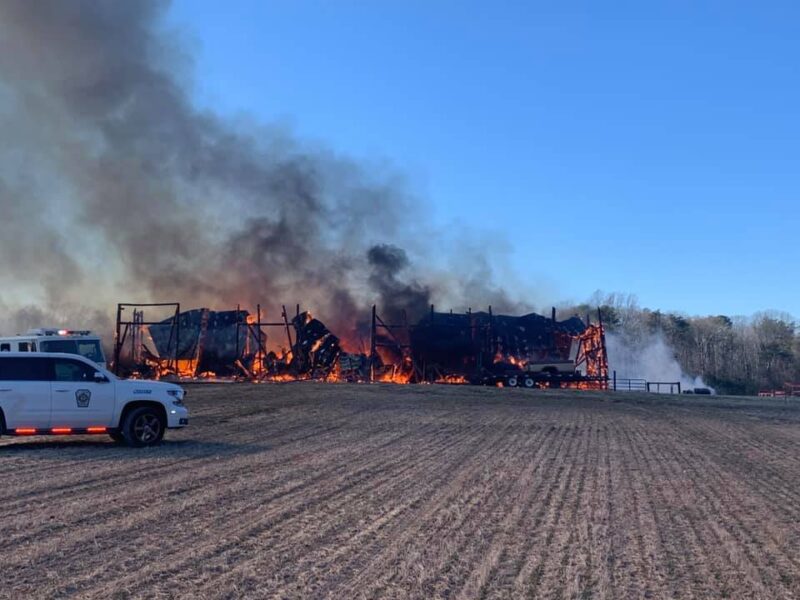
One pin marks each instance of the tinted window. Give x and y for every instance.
(87, 348)
(5, 347)
(90, 349)
(24, 369)
(66, 346)
(72, 370)
(23, 346)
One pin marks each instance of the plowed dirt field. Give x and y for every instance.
(357, 491)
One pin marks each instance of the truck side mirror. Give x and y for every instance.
(100, 378)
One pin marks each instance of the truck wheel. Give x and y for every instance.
(512, 381)
(143, 427)
(528, 382)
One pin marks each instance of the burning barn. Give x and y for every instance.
(481, 347)
(209, 342)
(194, 343)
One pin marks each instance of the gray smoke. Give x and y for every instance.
(647, 357)
(114, 186)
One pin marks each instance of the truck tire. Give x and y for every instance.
(512, 381)
(143, 426)
(528, 382)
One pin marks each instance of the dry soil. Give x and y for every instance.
(358, 491)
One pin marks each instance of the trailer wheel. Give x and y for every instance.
(512, 381)
(528, 382)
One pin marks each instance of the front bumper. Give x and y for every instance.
(177, 416)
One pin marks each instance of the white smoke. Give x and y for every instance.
(649, 357)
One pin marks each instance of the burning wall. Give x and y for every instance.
(206, 341)
(472, 343)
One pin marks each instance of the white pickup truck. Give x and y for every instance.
(64, 394)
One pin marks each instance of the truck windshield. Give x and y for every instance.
(87, 348)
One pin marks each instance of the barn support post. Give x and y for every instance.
(286, 324)
(488, 340)
(261, 351)
(136, 335)
(238, 328)
(201, 341)
(373, 343)
(118, 341)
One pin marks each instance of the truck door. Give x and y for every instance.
(78, 400)
(25, 391)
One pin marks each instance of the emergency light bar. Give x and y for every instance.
(48, 332)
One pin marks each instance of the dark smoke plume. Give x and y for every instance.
(114, 186)
(396, 296)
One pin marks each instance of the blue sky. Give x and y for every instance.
(642, 147)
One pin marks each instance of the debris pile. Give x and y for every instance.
(316, 349)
